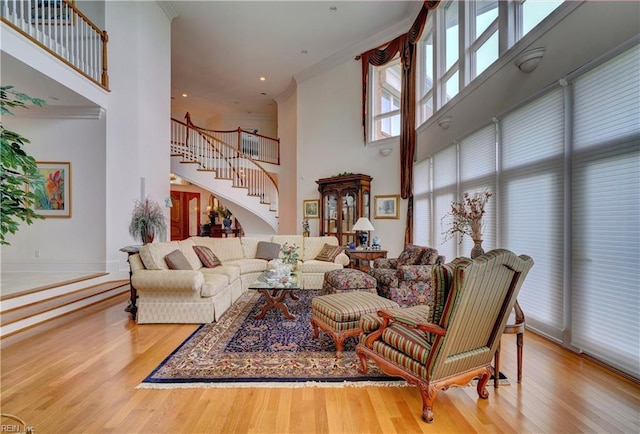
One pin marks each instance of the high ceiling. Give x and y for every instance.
(221, 49)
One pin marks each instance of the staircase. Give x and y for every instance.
(226, 163)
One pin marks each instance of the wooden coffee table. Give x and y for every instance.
(275, 291)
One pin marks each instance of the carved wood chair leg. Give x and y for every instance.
(520, 345)
(496, 365)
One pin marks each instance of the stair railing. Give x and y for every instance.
(212, 154)
(256, 146)
(60, 28)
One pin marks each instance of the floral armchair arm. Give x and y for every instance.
(390, 263)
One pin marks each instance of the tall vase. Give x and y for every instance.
(147, 236)
(477, 249)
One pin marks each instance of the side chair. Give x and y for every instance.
(454, 342)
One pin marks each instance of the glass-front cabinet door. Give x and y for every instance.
(344, 199)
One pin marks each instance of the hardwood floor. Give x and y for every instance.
(79, 373)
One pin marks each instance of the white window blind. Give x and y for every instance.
(532, 204)
(605, 298)
(421, 203)
(478, 174)
(445, 180)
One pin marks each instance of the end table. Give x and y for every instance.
(361, 258)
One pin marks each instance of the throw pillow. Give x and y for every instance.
(267, 250)
(207, 257)
(410, 255)
(177, 261)
(329, 253)
(429, 257)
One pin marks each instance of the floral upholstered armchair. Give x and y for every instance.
(407, 278)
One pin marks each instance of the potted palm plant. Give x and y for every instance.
(147, 221)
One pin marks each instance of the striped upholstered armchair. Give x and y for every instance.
(407, 278)
(455, 342)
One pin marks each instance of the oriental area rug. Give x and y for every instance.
(242, 351)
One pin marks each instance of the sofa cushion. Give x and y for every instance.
(329, 253)
(267, 250)
(177, 261)
(153, 254)
(208, 258)
(248, 265)
(313, 245)
(231, 272)
(250, 244)
(410, 255)
(187, 248)
(226, 249)
(314, 266)
(213, 285)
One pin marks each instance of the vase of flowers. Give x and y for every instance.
(467, 218)
(147, 221)
(290, 254)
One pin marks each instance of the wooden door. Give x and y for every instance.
(185, 215)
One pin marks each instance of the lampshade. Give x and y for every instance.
(363, 224)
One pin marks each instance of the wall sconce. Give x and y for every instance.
(385, 152)
(445, 121)
(529, 60)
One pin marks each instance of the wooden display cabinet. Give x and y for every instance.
(343, 199)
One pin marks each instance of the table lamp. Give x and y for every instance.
(364, 226)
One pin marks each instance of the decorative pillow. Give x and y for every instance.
(410, 255)
(329, 253)
(177, 261)
(267, 250)
(429, 257)
(207, 257)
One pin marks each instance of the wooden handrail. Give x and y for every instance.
(214, 154)
(61, 29)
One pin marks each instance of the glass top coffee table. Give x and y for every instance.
(275, 289)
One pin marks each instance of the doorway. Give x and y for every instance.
(185, 215)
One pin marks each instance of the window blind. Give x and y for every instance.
(421, 203)
(605, 298)
(445, 178)
(532, 204)
(478, 174)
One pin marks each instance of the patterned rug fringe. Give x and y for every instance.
(273, 385)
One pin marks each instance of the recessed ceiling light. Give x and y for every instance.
(185, 95)
(262, 79)
(333, 8)
(304, 52)
(263, 93)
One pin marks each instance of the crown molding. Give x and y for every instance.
(168, 9)
(286, 94)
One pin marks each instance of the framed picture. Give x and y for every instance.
(311, 209)
(53, 197)
(52, 12)
(386, 207)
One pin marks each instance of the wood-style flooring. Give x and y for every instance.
(78, 373)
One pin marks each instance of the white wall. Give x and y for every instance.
(64, 244)
(287, 176)
(138, 131)
(330, 142)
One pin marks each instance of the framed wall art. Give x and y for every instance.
(311, 209)
(386, 207)
(53, 196)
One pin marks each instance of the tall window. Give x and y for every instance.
(568, 201)
(531, 12)
(426, 103)
(386, 87)
(450, 76)
(484, 33)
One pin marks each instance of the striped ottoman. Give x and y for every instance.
(339, 314)
(346, 280)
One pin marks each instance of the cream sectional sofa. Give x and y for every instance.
(203, 294)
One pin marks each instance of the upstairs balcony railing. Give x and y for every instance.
(61, 29)
(195, 145)
(260, 148)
